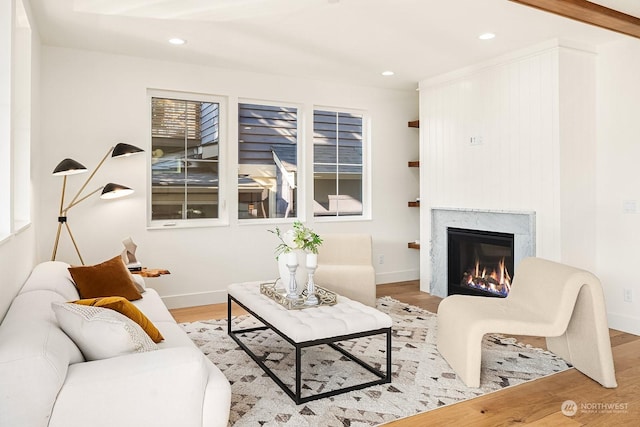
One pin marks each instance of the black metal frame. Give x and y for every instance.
(296, 396)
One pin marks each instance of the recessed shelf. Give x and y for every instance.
(413, 245)
(414, 204)
(414, 164)
(414, 124)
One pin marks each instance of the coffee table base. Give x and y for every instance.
(384, 377)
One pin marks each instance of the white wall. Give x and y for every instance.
(559, 124)
(618, 179)
(93, 100)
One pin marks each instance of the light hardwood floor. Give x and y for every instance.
(536, 403)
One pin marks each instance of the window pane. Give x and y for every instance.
(338, 163)
(21, 118)
(5, 118)
(202, 189)
(267, 161)
(185, 159)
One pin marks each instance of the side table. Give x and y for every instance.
(151, 272)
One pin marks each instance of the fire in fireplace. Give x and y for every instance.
(479, 262)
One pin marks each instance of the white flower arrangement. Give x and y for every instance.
(299, 237)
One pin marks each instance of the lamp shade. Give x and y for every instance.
(123, 149)
(113, 191)
(69, 167)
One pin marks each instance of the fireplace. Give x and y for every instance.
(520, 224)
(479, 262)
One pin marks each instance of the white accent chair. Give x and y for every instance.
(345, 266)
(548, 299)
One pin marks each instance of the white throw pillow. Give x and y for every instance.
(101, 333)
(138, 280)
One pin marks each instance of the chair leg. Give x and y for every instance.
(587, 331)
(462, 349)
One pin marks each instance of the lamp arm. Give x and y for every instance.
(80, 200)
(73, 201)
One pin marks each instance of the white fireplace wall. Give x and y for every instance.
(516, 134)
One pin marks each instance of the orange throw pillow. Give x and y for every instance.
(123, 306)
(110, 278)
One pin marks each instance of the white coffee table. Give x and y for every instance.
(311, 327)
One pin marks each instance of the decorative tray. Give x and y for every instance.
(279, 295)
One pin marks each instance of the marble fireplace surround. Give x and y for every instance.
(521, 224)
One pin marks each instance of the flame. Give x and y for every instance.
(495, 280)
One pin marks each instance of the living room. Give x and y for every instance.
(574, 157)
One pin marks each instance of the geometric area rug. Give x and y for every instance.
(421, 379)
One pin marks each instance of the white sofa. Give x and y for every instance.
(45, 381)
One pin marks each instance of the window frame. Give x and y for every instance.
(301, 200)
(223, 161)
(366, 165)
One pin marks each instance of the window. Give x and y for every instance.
(337, 163)
(15, 118)
(185, 158)
(6, 29)
(21, 119)
(267, 161)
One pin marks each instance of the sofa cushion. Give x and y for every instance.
(109, 278)
(101, 333)
(174, 336)
(164, 388)
(123, 306)
(139, 283)
(52, 276)
(153, 307)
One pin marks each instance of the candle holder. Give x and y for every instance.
(311, 287)
(292, 289)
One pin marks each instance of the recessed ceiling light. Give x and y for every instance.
(388, 73)
(486, 36)
(177, 41)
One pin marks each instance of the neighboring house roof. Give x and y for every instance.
(324, 156)
(167, 171)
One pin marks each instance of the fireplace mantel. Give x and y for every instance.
(522, 224)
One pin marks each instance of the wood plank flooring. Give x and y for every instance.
(536, 403)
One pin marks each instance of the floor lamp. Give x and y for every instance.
(110, 191)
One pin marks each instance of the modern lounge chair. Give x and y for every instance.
(556, 301)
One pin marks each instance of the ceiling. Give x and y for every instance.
(349, 41)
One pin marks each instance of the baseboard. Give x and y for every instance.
(192, 300)
(397, 276)
(218, 297)
(624, 323)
